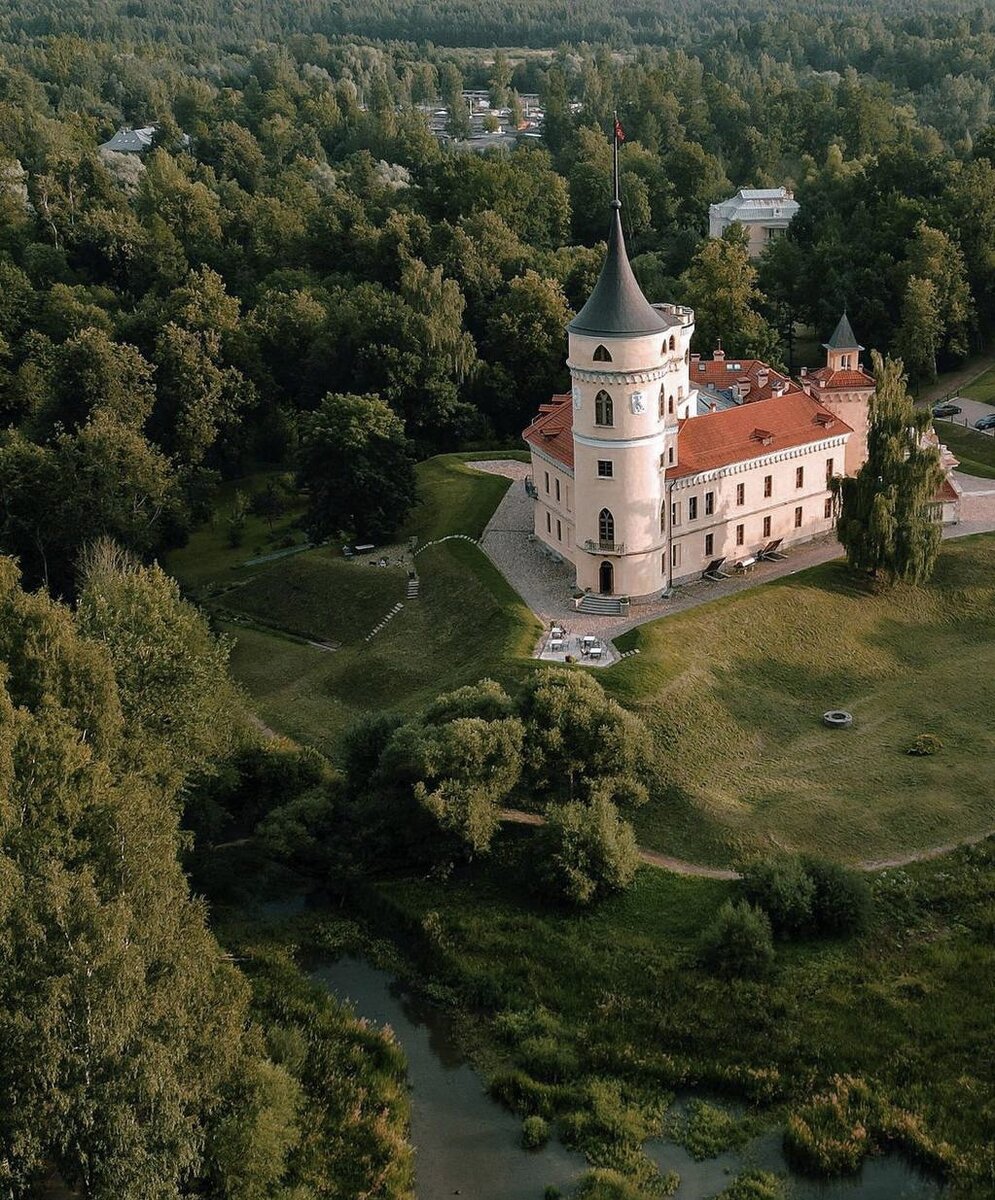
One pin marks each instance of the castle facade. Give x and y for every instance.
(659, 464)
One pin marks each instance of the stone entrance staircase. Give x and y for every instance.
(600, 606)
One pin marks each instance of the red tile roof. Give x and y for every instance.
(719, 373)
(552, 430)
(750, 431)
(946, 491)
(826, 379)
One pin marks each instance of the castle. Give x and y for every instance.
(660, 464)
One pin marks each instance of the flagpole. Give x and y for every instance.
(615, 197)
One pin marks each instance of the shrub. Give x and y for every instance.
(709, 1130)
(738, 942)
(925, 744)
(755, 1185)
(587, 851)
(841, 902)
(784, 890)
(548, 1059)
(831, 1136)
(608, 1185)
(535, 1133)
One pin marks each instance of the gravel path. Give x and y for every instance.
(680, 866)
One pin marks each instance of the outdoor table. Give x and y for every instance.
(595, 652)
(556, 643)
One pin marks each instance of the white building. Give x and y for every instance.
(765, 213)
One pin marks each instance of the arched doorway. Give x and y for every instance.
(606, 579)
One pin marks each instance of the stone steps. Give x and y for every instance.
(600, 606)
(413, 588)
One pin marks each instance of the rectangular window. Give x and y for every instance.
(828, 510)
(766, 526)
(768, 485)
(547, 483)
(559, 532)
(740, 534)
(709, 503)
(605, 468)
(675, 513)
(799, 476)
(675, 554)
(670, 456)
(829, 470)
(557, 490)
(663, 564)
(549, 523)
(740, 493)
(709, 544)
(692, 508)
(798, 517)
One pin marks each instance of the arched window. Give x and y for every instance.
(663, 517)
(663, 407)
(606, 527)
(672, 342)
(603, 409)
(687, 356)
(602, 354)
(680, 391)
(670, 405)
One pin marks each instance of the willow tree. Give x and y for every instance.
(887, 524)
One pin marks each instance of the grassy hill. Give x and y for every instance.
(734, 691)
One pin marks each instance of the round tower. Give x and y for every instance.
(628, 363)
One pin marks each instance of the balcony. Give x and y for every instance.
(593, 547)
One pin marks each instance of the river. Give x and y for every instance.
(468, 1145)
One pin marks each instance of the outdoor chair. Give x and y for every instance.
(714, 571)
(771, 552)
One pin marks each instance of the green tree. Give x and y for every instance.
(451, 88)
(586, 851)
(886, 523)
(460, 768)
(920, 329)
(783, 889)
(721, 287)
(358, 468)
(580, 744)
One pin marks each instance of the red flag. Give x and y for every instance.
(619, 131)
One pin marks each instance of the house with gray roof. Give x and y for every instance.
(765, 213)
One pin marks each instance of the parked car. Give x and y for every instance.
(946, 409)
(987, 422)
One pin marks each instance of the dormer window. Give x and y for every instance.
(602, 354)
(603, 409)
(844, 362)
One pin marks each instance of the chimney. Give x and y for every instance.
(804, 372)
(712, 406)
(762, 376)
(718, 354)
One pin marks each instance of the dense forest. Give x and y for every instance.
(297, 240)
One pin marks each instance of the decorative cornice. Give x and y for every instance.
(619, 443)
(749, 464)
(619, 378)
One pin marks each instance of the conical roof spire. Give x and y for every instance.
(617, 306)
(843, 336)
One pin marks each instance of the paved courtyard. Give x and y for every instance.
(547, 586)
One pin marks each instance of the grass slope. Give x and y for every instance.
(983, 388)
(976, 451)
(734, 691)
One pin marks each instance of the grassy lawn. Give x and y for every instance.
(466, 622)
(734, 691)
(983, 388)
(976, 451)
(452, 498)
(616, 995)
